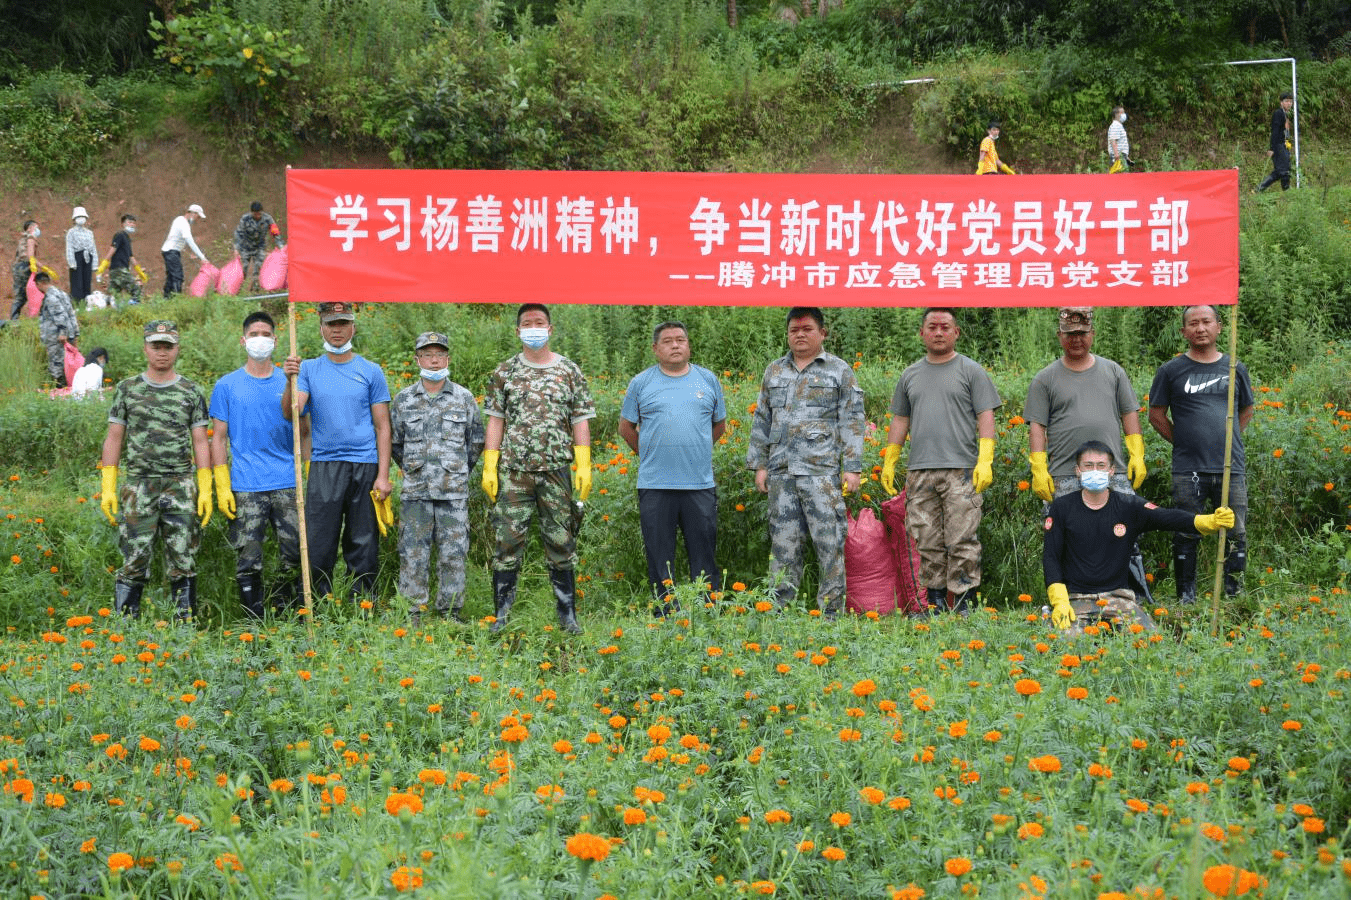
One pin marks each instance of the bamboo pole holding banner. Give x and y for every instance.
(300, 483)
(1228, 468)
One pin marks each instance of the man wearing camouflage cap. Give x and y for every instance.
(347, 399)
(437, 437)
(157, 434)
(1083, 397)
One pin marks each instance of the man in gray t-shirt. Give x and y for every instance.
(945, 404)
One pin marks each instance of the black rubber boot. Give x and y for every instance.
(961, 603)
(504, 595)
(834, 606)
(937, 599)
(1235, 562)
(286, 596)
(127, 598)
(1135, 573)
(1184, 573)
(251, 593)
(564, 582)
(184, 592)
(784, 595)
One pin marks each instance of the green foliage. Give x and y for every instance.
(56, 123)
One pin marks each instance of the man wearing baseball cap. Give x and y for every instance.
(1078, 398)
(157, 435)
(180, 236)
(347, 399)
(437, 438)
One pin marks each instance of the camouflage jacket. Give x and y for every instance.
(436, 439)
(251, 235)
(808, 422)
(57, 317)
(540, 405)
(159, 419)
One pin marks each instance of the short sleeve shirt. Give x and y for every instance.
(340, 399)
(262, 455)
(159, 419)
(540, 404)
(1197, 395)
(675, 417)
(121, 258)
(942, 402)
(1076, 407)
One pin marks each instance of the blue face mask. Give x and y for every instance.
(534, 338)
(434, 374)
(1095, 480)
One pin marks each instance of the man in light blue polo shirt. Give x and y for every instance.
(672, 414)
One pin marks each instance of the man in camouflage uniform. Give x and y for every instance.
(437, 436)
(807, 438)
(25, 266)
(1090, 534)
(159, 419)
(945, 404)
(251, 241)
(119, 264)
(253, 463)
(539, 421)
(56, 326)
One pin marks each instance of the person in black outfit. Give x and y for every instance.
(1279, 151)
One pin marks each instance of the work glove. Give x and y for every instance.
(982, 476)
(1220, 518)
(1043, 485)
(103, 267)
(204, 495)
(1117, 166)
(50, 274)
(581, 479)
(890, 457)
(140, 273)
(225, 497)
(1007, 170)
(1062, 614)
(1289, 145)
(108, 503)
(1135, 465)
(384, 513)
(33, 265)
(490, 458)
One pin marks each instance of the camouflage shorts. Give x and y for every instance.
(164, 506)
(1115, 608)
(942, 514)
(122, 283)
(520, 497)
(254, 511)
(424, 524)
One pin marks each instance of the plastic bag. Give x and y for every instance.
(204, 281)
(272, 274)
(910, 594)
(869, 571)
(34, 304)
(74, 361)
(97, 300)
(231, 278)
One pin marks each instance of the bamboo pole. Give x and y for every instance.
(300, 483)
(1228, 467)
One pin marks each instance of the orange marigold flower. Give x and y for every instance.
(281, 785)
(1231, 881)
(957, 866)
(871, 795)
(910, 892)
(1077, 693)
(1030, 830)
(634, 816)
(1027, 686)
(148, 745)
(588, 847)
(763, 887)
(1313, 825)
(1138, 806)
(120, 862)
(864, 688)
(834, 854)
(1239, 763)
(562, 746)
(841, 819)
(778, 817)
(1291, 725)
(1048, 763)
(406, 878)
(397, 802)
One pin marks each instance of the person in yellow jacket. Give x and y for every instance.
(989, 163)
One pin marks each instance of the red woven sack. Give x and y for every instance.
(910, 594)
(231, 278)
(869, 572)
(73, 361)
(204, 281)
(272, 274)
(34, 304)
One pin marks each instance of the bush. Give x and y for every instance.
(57, 123)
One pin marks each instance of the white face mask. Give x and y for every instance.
(1095, 480)
(259, 348)
(1123, 117)
(534, 338)
(37, 232)
(434, 374)
(131, 229)
(337, 350)
(80, 220)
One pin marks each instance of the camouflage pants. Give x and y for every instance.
(122, 283)
(942, 514)
(21, 273)
(252, 261)
(802, 507)
(522, 495)
(254, 511)
(443, 524)
(165, 506)
(1118, 608)
(56, 360)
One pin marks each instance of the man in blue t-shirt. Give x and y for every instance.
(347, 399)
(253, 464)
(672, 414)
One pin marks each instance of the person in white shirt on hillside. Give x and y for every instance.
(1118, 145)
(180, 235)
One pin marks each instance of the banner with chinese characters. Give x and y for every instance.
(434, 236)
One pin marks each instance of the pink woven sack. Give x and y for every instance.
(231, 278)
(204, 281)
(34, 304)
(869, 572)
(272, 274)
(910, 595)
(73, 361)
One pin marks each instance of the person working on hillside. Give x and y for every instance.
(180, 236)
(806, 442)
(157, 434)
(539, 410)
(1278, 149)
(945, 404)
(82, 254)
(250, 241)
(56, 325)
(989, 163)
(1090, 534)
(26, 265)
(120, 262)
(1194, 386)
(88, 380)
(1118, 145)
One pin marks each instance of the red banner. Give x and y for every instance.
(669, 238)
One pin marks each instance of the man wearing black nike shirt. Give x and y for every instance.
(1090, 534)
(1195, 388)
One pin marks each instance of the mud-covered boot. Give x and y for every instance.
(184, 592)
(564, 582)
(251, 593)
(127, 598)
(504, 595)
(937, 599)
(961, 603)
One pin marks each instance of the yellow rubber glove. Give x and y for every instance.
(1117, 166)
(108, 503)
(1007, 170)
(1135, 466)
(890, 457)
(103, 267)
(1062, 614)
(384, 513)
(225, 497)
(50, 273)
(982, 476)
(307, 470)
(1043, 485)
(490, 458)
(140, 273)
(1220, 518)
(1289, 145)
(581, 479)
(33, 266)
(204, 495)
